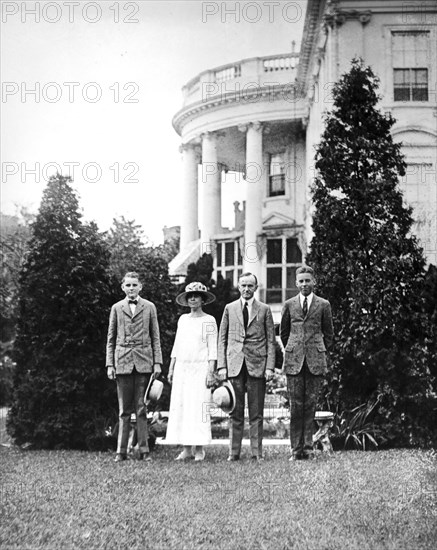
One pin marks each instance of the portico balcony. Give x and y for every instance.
(243, 75)
(246, 83)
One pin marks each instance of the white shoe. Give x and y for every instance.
(199, 456)
(184, 455)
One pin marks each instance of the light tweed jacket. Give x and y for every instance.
(133, 340)
(306, 337)
(256, 345)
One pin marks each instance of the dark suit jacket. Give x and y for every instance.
(306, 337)
(256, 345)
(133, 340)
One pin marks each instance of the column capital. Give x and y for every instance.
(212, 135)
(194, 147)
(337, 17)
(208, 135)
(255, 125)
(188, 146)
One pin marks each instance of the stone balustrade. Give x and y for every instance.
(274, 70)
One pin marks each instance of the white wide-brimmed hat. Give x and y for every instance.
(224, 397)
(198, 288)
(153, 391)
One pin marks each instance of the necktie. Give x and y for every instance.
(134, 302)
(305, 307)
(245, 315)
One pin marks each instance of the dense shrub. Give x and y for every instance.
(7, 368)
(14, 237)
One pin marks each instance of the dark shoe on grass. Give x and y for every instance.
(120, 457)
(233, 458)
(145, 456)
(258, 458)
(308, 455)
(293, 458)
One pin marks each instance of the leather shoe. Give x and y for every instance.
(233, 458)
(120, 457)
(145, 456)
(258, 458)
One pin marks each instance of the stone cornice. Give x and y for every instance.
(272, 93)
(311, 30)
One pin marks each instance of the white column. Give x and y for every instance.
(189, 224)
(210, 191)
(255, 178)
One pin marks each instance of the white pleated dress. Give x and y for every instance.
(195, 344)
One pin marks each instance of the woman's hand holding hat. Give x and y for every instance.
(211, 380)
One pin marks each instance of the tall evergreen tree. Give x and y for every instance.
(62, 397)
(369, 265)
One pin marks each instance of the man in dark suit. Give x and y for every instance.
(133, 352)
(246, 355)
(306, 334)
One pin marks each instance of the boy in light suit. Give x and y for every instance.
(306, 334)
(133, 352)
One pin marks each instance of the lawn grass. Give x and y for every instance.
(69, 499)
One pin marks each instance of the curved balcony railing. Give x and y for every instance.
(271, 70)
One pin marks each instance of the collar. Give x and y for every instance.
(249, 302)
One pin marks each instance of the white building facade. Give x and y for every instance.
(260, 118)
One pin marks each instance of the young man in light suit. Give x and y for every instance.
(246, 355)
(133, 352)
(306, 334)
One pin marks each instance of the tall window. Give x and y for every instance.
(283, 258)
(229, 260)
(410, 65)
(276, 175)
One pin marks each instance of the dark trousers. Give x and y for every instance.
(130, 391)
(303, 392)
(256, 389)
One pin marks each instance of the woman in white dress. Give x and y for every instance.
(191, 373)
